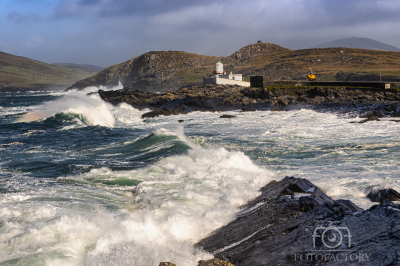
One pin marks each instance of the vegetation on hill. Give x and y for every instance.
(20, 73)
(171, 70)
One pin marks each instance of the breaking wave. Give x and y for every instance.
(90, 109)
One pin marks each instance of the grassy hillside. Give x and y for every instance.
(325, 63)
(170, 70)
(20, 73)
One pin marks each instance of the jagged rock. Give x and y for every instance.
(369, 117)
(227, 116)
(214, 262)
(166, 264)
(284, 227)
(380, 195)
(163, 111)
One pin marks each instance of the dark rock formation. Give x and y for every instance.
(369, 117)
(227, 116)
(380, 195)
(294, 223)
(377, 102)
(214, 262)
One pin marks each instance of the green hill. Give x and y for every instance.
(171, 70)
(20, 73)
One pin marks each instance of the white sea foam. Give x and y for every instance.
(126, 115)
(94, 110)
(342, 158)
(91, 89)
(181, 200)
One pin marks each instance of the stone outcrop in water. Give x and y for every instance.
(166, 264)
(294, 223)
(380, 195)
(214, 262)
(231, 97)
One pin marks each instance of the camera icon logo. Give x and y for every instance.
(331, 236)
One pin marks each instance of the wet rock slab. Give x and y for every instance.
(293, 222)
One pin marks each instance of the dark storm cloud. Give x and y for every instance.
(114, 8)
(107, 32)
(320, 12)
(344, 12)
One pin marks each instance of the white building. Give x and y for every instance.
(220, 77)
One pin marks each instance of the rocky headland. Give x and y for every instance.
(163, 71)
(367, 102)
(293, 222)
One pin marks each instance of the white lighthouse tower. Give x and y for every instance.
(220, 77)
(219, 70)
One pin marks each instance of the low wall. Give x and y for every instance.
(225, 81)
(367, 84)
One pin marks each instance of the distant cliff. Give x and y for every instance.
(171, 70)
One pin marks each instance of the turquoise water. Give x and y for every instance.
(86, 183)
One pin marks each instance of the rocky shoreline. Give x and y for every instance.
(368, 102)
(293, 222)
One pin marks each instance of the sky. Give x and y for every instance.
(108, 32)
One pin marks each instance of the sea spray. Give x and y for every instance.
(180, 200)
(91, 89)
(91, 107)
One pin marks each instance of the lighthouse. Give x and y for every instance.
(219, 76)
(219, 69)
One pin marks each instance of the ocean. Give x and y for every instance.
(83, 182)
